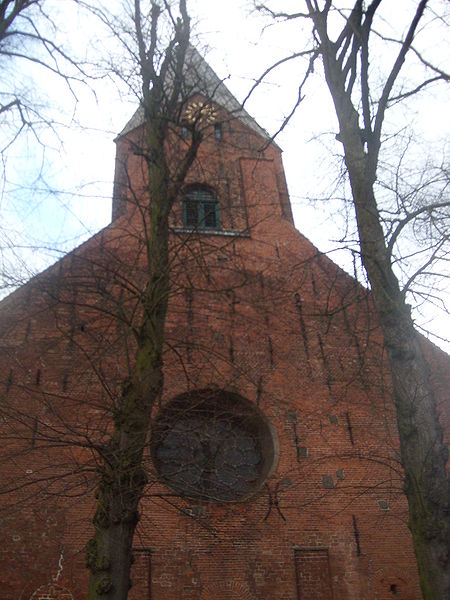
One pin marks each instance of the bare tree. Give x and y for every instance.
(35, 62)
(161, 65)
(28, 38)
(345, 42)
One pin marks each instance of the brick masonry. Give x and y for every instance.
(255, 310)
(313, 573)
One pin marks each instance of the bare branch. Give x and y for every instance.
(384, 98)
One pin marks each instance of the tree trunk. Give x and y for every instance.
(423, 454)
(121, 474)
(108, 554)
(122, 477)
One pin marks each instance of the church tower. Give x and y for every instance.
(272, 464)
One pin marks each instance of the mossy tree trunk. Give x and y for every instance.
(122, 476)
(423, 454)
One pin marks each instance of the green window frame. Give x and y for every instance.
(201, 209)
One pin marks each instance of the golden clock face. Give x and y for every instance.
(200, 112)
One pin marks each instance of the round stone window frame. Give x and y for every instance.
(241, 411)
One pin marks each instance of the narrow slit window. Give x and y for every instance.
(218, 131)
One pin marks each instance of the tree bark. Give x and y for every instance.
(423, 454)
(422, 451)
(122, 477)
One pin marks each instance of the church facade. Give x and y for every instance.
(272, 466)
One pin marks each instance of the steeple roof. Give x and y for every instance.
(201, 79)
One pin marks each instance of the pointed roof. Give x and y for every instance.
(201, 79)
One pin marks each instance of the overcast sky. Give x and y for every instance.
(81, 163)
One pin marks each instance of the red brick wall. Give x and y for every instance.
(257, 311)
(312, 570)
(141, 575)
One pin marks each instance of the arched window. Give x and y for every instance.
(200, 208)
